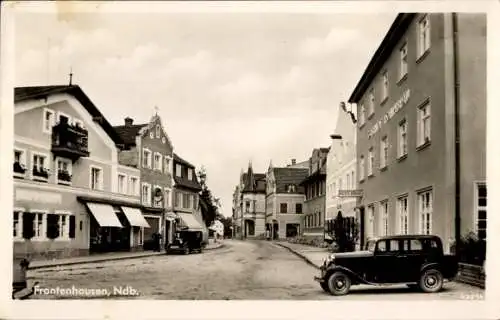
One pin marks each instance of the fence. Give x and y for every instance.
(471, 274)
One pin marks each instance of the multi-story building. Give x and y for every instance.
(284, 200)
(147, 147)
(341, 195)
(67, 196)
(421, 141)
(252, 204)
(313, 222)
(186, 197)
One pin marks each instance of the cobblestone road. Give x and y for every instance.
(252, 270)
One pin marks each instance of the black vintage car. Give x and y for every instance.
(415, 260)
(186, 241)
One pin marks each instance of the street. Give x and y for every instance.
(251, 270)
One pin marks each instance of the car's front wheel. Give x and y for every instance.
(339, 283)
(431, 281)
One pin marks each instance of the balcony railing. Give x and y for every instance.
(40, 172)
(69, 141)
(19, 168)
(63, 176)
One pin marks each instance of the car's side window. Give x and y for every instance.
(382, 246)
(415, 245)
(394, 245)
(406, 245)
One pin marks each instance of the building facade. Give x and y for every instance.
(421, 140)
(252, 204)
(186, 206)
(341, 170)
(237, 216)
(313, 222)
(67, 199)
(284, 201)
(148, 148)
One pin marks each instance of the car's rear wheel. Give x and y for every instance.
(324, 286)
(339, 283)
(431, 281)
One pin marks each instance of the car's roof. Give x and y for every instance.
(406, 236)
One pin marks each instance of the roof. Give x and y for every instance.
(391, 39)
(182, 161)
(38, 92)
(289, 176)
(128, 133)
(184, 181)
(257, 185)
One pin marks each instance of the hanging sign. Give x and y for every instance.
(398, 105)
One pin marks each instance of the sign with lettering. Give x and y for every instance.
(398, 105)
(356, 193)
(38, 196)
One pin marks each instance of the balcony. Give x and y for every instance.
(63, 177)
(69, 141)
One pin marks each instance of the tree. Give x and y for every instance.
(208, 202)
(345, 233)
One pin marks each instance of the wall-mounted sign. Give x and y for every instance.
(398, 105)
(357, 193)
(38, 196)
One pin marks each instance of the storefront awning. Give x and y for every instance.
(189, 221)
(104, 214)
(135, 217)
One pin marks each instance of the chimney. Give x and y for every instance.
(294, 162)
(129, 121)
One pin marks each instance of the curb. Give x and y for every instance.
(299, 255)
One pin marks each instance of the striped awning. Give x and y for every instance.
(104, 214)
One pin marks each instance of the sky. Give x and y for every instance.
(231, 87)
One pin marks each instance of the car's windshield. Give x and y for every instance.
(370, 246)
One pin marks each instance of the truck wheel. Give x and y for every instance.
(431, 281)
(339, 283)
(324, 286)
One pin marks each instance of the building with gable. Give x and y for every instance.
(67, 196)
(148, 148)
(313, 222)
(284, 200)
(341, 170)
(421, 140)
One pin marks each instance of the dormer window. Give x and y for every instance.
(190, 174)
(158, 131)
(178, 169)
(291, 188)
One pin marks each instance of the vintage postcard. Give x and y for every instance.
(162, 158)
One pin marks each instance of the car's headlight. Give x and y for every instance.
(330, 259)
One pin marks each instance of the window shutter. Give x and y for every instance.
(28, 218)
(52, 226)
(72, 226)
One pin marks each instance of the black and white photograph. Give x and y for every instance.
(248, 151)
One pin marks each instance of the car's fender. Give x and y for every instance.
(431, 265)
(355, 278)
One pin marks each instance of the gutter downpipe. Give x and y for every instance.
(456, 75)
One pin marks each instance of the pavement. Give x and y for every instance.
(249, 270)
(312, 255)
(111, 256)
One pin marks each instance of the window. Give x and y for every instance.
(166, 167)
(177, 200)
(146, 194)
(403, 62)
(371, 221)
(283, 207)
(371, 161)
(78, 123)
(424, 124)
(167, 198)
(190, 174)
(63, 118)
(95, 178)
(403, 139)
(158, 131)
(247, 206)
(63, 226)
(384, 151)
(17, 224)
(424, 36)
(403, 215)
(38, 226)
(415, 245)
(385, 86)
(133, 188)
(382, 246)
(394, 245)
(191, 202)
(40, 167)
(64, 170)
(384, 216)
(122, 185)
(19, 162)
(48, 120)
(146, 158)
(178, 170)
(371, 103)
(481, 196)
(362, 114)
(425, 212)
(298, 208)
(157, 164)
(361, 168)
(185, 201)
